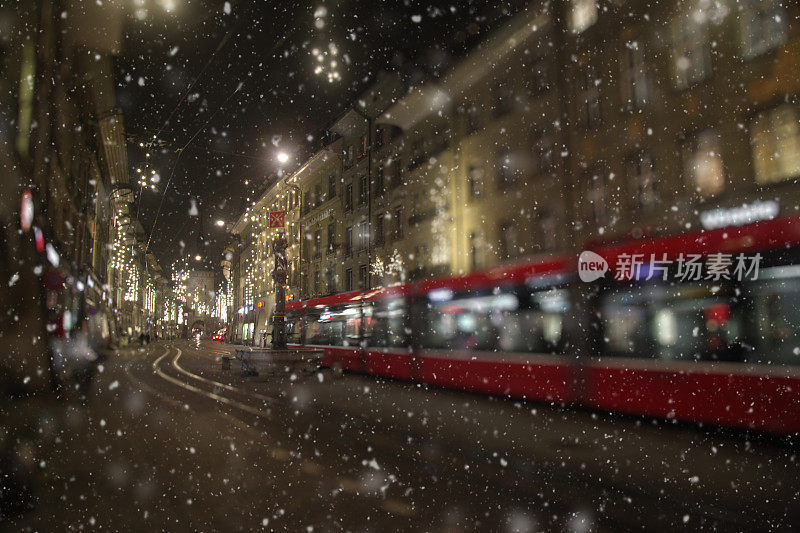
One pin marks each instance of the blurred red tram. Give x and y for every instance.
(722, 352)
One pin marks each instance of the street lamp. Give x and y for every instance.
(198, 257)
(282, 157)
(220, 223)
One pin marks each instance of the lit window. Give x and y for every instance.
(691, 51)
(589, 98)
(635, 80)
(643, 176)
(775, 138)
(594, 199)
(508, 240)
(582, 14)
(763, 25)
(542, 152)
(505, 168)
(541, 75)
(475, 177)
(548, 228)
(702, 163)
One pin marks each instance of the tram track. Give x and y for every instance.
(510, 481)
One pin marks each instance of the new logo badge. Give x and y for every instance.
(591, 266)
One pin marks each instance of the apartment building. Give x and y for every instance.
(322, 192)
(577, 121)
(680, 112)
(252, 260)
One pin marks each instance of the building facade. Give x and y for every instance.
(575, 122)
(252, 260)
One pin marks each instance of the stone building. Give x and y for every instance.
(319, 183)
(252, 260)
(574, 122)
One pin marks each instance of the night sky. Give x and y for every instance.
(233, 82)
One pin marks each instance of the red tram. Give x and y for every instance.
(716, 350)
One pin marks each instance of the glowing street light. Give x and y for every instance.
(220, 223)
(282, 157)
(198, 257)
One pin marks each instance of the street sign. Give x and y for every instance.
(277, 219)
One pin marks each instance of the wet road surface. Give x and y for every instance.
(170, 441)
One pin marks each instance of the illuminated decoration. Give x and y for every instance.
(326, 59)
(147, 180)
(221, 300)
(394, 266)
(327, 62)
(180, 279)
(149, 296)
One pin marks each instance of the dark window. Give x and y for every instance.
(589, 98)
(363, 144)
(378, 138)
(348, 280)
(503, 99)
(541, 75)
(330, 278)
(508, 240)
(548, 229)
(475, 177)
(363, 236)
(362, 277)
(397, 176)
(318, 197)
(506, 175)
(691, 49)
(362, 190)
(379, 180)
(316, 282)
(475, 251)
(417, 154)
(331, 238)
(542, 152)
(642, 173)
(379, 235)
(331, 186)
(764, 25)
(348, 197)
(635, 81)
(348, 240)
(594, 199)
(398, 222)
(317, 244)
(473, 118)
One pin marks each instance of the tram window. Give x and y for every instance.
(775, 300)
(293, 327)
(511, 320)
(325, 326)
(386, 323)
(684, 322)
(538, 324)
(351, 324)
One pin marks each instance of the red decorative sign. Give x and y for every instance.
(277, 219)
